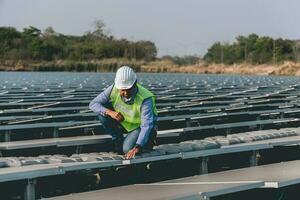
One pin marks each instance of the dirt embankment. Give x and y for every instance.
(287, 68)
(158, 66)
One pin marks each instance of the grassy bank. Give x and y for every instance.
(158, 66)
(104, 65)
(286, 68)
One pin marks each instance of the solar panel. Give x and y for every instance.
(204, 186)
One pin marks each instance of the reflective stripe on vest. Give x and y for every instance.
(131, 112)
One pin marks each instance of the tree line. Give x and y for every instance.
(48, 45)
(255, 50)
(90, 49)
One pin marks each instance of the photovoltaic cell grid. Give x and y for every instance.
(186, 103)
(58, 102)
(207, 114)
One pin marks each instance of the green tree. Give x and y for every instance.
(9, 39)
(252, 49)
(33, 44)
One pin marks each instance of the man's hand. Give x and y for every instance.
(132, 152)
(115, 115)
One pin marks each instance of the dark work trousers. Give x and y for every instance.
(124, 140)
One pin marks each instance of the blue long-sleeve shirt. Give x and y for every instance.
(148, 118)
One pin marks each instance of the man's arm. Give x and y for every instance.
(97, 104)
(147, 123)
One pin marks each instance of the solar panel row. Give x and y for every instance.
(39, 111)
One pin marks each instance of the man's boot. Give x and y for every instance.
(118, 146)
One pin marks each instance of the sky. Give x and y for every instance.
(177, 27)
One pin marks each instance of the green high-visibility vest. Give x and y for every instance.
(131, 112)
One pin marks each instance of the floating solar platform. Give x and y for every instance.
(17, 168)
(40, 110)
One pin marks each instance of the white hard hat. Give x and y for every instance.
(125, 78)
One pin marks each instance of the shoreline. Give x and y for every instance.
(285, 69)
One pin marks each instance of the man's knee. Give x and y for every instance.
(102, 118)
(105, 120)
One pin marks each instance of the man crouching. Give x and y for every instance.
(127, 107)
